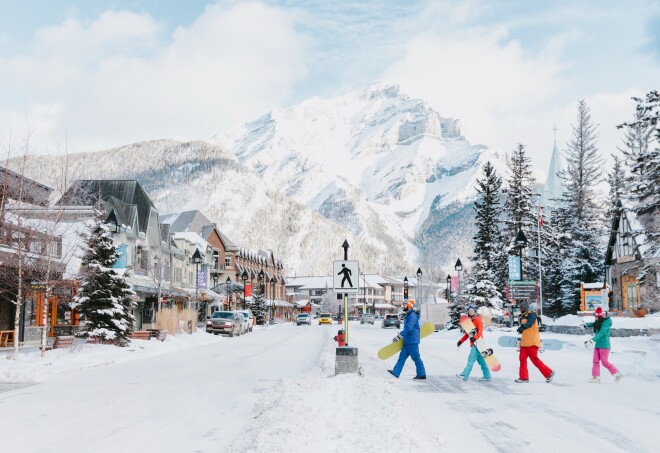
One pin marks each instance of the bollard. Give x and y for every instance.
(346, 360)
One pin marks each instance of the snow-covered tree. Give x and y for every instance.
(488, 258)
(583, 261)
(105, 298)
(329, 303)
(258, 306)
(616, 180)
(642, 153)
(518, 212)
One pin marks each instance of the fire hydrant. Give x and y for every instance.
(339, 338)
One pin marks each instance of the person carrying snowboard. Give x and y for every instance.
(529, 345)
(475, 355)
(410, 335)
(602, 326)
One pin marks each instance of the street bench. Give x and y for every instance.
(158, 334)
(64, 341)
(140, 335)
(6, 337)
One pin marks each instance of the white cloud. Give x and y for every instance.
(121, 78)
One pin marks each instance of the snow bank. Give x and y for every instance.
(31, 368)
(647, 322)
(347, 412)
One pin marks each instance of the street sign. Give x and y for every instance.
(523, 289)
(346, 276)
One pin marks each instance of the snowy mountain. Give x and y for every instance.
(387, 167)
(375, 166)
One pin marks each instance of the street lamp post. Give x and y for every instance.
(216, 279)
(448, 289)
(419, 285)
(458, 267)
(245, 277)
(228, 283)
(405, 289)
(197, 259)
(520, 244)
(272, 300)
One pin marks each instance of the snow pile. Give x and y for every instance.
(336, 413)
(647, 322)
(31, 368)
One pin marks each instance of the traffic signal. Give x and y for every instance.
(405, 293)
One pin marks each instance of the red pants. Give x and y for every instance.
(532, 352)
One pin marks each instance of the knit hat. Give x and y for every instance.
(471, 307)
(524, 306)
(598, 313)
(409, 305)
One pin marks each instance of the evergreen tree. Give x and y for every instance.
(105, 298)
(259, 306)
(616, 180)
(642, 152)
(482, 290)
(583, 260)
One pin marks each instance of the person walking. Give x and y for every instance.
(601, 326)
(529, 346)
(475, 355)
(410, 335)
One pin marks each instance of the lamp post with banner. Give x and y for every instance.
(228, 283)
(272, 300)
(458, 267)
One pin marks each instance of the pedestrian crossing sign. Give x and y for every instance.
(346, 276)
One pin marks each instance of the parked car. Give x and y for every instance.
(245, 322)
(326, 318)
(391, 321)
(367, 318)
(226, 323)
(251, 319)
(303, 318)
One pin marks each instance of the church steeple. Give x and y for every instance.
(554, 187)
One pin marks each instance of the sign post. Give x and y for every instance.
(346, 280)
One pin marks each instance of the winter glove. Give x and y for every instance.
(397, 338)
(472, 340)
(520, 329)
(589, 343)
(458, 344)
(583, 326)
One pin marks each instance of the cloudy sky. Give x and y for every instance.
(107, 73)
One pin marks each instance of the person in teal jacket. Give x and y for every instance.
(601, 340)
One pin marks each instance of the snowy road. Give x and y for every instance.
(274, 390)
(193, 400)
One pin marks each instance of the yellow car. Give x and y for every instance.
(326, 318)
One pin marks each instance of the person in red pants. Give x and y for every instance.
(529, 346)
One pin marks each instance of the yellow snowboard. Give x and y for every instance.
(392, 348)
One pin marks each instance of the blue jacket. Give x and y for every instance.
(410, 332)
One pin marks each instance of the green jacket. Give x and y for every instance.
(602, 338)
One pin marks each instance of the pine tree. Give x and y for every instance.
(642, 152)
(583, 261)
(616, 180)
(258, 306)
(105, 298)
(482, 290)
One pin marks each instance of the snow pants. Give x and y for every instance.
(533, 353)
(602, 355)
(475, 356)
(412, 351)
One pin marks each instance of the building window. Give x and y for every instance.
(227, 262)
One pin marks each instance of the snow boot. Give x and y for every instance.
(594, 380)
(549, 379)
(419, 377)
(521, 381)
(483, 379)
(460, 376)
(618, 377)
(392, 373)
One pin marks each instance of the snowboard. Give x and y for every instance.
(486, 352)
(508, 341)
(392, 348)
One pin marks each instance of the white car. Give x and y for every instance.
(245, 322)
(250, 318)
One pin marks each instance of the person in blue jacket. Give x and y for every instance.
(410, 335)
